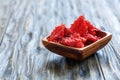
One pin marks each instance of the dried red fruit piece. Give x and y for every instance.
(79, 26)
(57, 33)
(67, 32)
(80, 34)
(80, 45)
(77, 37)
(74, 40)
(91, 37)
(91, 29)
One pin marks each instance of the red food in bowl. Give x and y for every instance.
(80, 34)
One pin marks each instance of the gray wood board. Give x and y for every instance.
(105, 15)
(22, 55)
(5, 13)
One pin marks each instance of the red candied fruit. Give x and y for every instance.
(75, 40)
(91, 29)
(80, 26)
(80, 34)
(67, 32)
(57, 33)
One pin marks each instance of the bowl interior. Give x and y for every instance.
(78, 53)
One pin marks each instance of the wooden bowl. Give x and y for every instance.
(78, 53)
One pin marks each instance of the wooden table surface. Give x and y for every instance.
(23, 23)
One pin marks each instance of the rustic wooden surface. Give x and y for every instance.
(23, 23)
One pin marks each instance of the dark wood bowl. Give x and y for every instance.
(78, 53)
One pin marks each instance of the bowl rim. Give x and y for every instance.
(80, 49)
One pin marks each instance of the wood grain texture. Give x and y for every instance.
(106, 17)
(26, 22)
(5, 13)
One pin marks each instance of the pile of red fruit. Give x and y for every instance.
(80, 34)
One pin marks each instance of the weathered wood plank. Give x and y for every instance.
(5, 12)
(105, 17)
(8, 48)
(22, 55)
